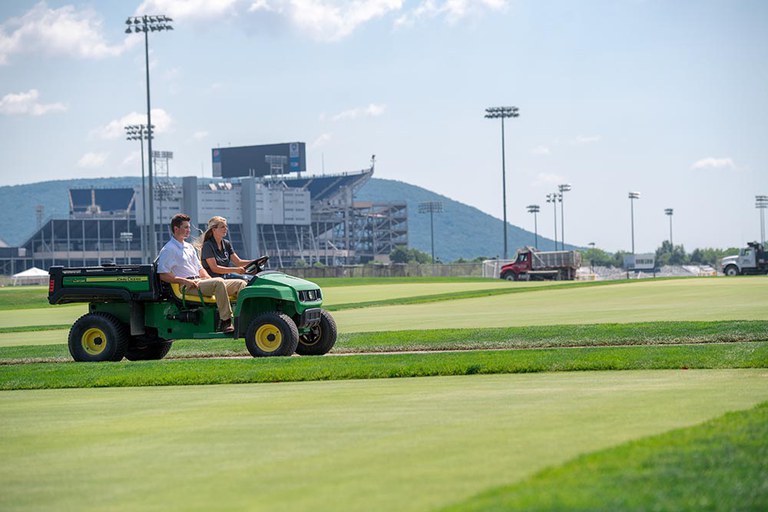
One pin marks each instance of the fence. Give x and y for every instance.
(394, 270)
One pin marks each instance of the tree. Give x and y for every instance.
(597, 257)
(668, 254)
(401, 254)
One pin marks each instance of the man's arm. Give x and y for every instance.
(168, 277)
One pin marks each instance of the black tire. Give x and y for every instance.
(320, 339)
(147, 348)
(731, 270)
(271, 334)
(97, 337)
(509, 276)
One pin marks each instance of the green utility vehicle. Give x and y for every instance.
(133, 314)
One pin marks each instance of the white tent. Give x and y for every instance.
(33, 275)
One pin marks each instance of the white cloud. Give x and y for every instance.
(200, 135)
(332, 21)
(25, 103)
(714, 163)
(586, 139)
(541, 150)
(115, 129)
(548, 179)
(64, 31)
(452, 10)
(322, 140)
(198, 10)
(372, 110)
(92, 160)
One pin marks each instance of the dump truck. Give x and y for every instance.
(531, 264)
(132, 314)
(750, 260)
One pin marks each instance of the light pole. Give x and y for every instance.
(139, 132)
(149, 24)
(761, 203)
(503, 113)
(553, 198)
(534, 209)
(669, 212)
(565, 187)
(632, 196)
(431, 207)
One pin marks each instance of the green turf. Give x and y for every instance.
(55, 315)
(398, 444)
(50, 345)
(249, 370)
(24, 297)
(644, 301)
(720, 465)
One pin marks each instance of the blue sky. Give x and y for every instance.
(667, 98)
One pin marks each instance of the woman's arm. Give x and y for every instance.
(215, 267)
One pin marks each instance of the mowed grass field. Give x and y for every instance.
(461, 442)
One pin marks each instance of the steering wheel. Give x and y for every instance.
(256, 265)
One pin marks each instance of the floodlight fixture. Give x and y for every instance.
(148, 24)
(503, 113)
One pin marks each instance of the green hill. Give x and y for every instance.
(461, 231)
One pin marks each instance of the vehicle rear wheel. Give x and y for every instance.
(271, 334)
(97, 337)
(320, 339)
(731, 270)
(147, 348)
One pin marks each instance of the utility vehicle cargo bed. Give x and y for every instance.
(107, 283)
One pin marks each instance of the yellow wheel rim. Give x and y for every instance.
(268, 338)
(94, 341)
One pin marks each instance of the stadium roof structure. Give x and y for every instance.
(92, 201)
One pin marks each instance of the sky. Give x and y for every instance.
(665, 98)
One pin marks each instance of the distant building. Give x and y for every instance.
(290, 219)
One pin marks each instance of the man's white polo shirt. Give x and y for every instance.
(179, 258)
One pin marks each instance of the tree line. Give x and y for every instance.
(666, 254)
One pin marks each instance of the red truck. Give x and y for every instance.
(531, 264)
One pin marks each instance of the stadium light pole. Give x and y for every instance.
(761, 203)
(669, 212)
(565, 187)
(431, 207)
(149, 24)
(139, 132)
(552, 198)
(632, 196)
(503, 113)
(534, 209)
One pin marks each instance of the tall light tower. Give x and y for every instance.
(565, 187)
(632, 196)
(534, 209)
(503, 113)
(553, 198)
(761, 203)
(669, 212)
(139, 132)
(149, 24)
(431, 207)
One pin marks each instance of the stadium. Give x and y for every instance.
(273, 208)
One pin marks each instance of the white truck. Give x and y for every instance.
(750, 260)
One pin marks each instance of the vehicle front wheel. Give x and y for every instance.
(731, 270)
(320, 339)
(271, 334)
(97, 337)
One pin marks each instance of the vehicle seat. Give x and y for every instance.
(194, 296)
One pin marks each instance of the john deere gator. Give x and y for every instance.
(132, 314)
